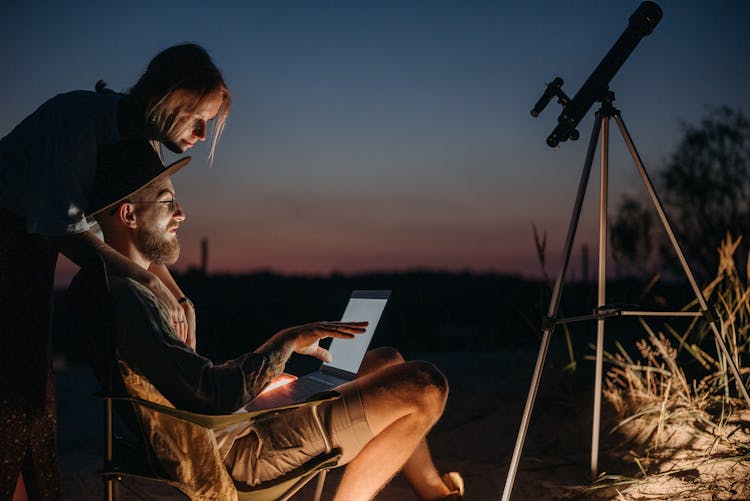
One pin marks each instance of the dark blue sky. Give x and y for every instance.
(390, 135)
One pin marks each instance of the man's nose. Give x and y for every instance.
(179, 214)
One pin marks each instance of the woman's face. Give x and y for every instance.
(195, 122)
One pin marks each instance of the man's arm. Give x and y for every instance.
(147, 344)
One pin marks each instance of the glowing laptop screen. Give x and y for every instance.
(363, 306)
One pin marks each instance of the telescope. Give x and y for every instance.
(596, 88)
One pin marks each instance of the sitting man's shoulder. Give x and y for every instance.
(91, 290)
(128, 290)
(93, 281)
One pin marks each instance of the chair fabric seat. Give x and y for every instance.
(278, 489)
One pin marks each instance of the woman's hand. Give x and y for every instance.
(186, 330)
(174, 310)
(189, 310)
(304, 339)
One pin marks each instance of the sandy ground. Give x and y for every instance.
(475, 436)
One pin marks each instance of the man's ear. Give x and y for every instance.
(126, 213)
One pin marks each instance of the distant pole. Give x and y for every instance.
(585, 263)
(204, 256)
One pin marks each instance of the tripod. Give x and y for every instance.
(602, 118)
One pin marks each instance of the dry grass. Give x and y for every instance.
(540, 243)
(688, 438)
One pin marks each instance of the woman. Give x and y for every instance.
(48, 165)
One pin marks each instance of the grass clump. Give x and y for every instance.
(687, 434)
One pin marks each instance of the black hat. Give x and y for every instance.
(123, 169)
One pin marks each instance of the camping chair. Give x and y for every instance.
(280, 489)
(115, 471)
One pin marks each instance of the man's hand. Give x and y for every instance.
(303, 339)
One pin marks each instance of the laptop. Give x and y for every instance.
(346, 357)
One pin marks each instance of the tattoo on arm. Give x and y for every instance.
(261, 368)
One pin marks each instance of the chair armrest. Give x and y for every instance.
(217, 421)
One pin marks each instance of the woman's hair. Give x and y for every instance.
(175, 83)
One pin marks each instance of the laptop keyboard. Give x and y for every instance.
(297, 390)
(324, 379)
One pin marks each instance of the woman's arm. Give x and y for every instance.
(189, 327)
(85, 248)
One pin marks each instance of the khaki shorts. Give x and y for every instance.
(280, 444)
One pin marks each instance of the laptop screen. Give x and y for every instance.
(363, 306)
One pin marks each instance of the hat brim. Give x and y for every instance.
(169, 170)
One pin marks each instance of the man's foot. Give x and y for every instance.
(455, 484)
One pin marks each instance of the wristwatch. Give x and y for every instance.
(185, 299)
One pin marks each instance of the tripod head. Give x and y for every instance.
(596, 88)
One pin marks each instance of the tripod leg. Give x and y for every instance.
(681, 256)
(552, 311)
(602, 295)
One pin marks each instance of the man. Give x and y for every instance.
(379, 422)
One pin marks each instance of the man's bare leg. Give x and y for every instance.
(402, 402)
(419, 470)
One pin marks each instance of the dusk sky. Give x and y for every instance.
(390, 135)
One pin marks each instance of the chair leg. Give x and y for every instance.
(322, 474)
(111, 487)
(319, 484)
(111, 490)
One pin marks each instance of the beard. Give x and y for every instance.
(158, 249)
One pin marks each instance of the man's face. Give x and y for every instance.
(196, 123)
(156, 236)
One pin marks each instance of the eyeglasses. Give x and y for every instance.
(171, 205)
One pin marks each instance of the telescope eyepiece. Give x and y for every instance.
(552, 90)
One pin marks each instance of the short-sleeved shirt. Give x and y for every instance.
(48, 162)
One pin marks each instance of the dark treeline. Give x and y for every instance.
(428, 311)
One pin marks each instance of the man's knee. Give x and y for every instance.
(379, 358)
(415, 389)
(428, 385)
(387, 355)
